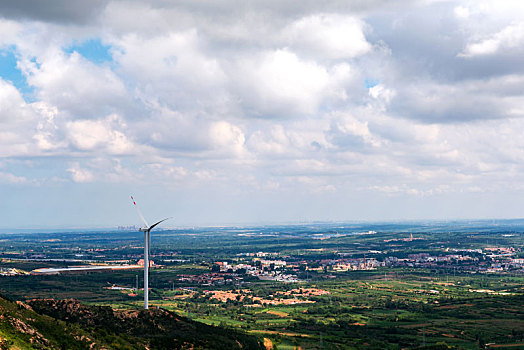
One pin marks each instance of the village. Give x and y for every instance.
(271, 267)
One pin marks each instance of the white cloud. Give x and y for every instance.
(17, 120)
(8, 178)
(46, 136)
(74, 84)
(279, 83)
(349, 132)
(276, 142)
(381, 95)
(91, 135)
(329, 36)
(461, 12)
(171, 69)
(487, 98)
(80, 175)
(227, 137)
(510, 37)
(295, 139)
(8, 31)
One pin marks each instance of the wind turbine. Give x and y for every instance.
(147, 248)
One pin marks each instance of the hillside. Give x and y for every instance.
(68, 324)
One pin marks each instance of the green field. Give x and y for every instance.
(455, 304)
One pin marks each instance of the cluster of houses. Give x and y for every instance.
(8, 271)
(266, 266)
(211, 279)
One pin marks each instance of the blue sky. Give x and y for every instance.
(92, 49)
(266, 113)
(11, 73)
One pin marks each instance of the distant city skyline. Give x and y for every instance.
(221, 113)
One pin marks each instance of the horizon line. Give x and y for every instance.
(255, 224)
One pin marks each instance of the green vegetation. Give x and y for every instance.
(411, 286)
(68, 324)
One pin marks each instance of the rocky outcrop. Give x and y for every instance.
(154, 328)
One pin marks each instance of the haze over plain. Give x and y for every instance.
(220, 112)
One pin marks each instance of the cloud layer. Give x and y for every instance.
(257, 104)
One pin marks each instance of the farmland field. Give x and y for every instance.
(404, 287)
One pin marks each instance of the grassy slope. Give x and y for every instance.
(68, 324)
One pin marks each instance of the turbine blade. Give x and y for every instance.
(151, 227)
(139, 212)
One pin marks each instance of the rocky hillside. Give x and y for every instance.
(68, 324)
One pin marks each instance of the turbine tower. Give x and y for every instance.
(147, 248)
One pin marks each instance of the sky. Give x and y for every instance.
(226, 112)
